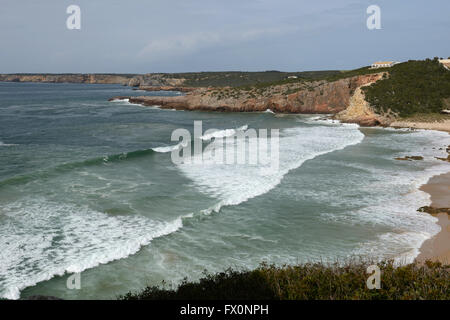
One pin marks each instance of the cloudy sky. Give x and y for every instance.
(140, 36)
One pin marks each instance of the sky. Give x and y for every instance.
(147, 36)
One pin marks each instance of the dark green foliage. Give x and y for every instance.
(226, 285)
(314, 282)
(128, 75)
(412, 87)
(354, 73)
(243, 79)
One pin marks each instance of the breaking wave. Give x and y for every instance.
(81, 238)
(234, 184)
(223, 133)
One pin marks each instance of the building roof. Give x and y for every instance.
(445, 63)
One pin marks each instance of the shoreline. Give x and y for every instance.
(438, 126)
(437, 248)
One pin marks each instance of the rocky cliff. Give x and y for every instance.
(359, 111)
(302, 97)
(132, 80)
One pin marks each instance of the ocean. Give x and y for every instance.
(88, 186)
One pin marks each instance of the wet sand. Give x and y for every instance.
(438, 247)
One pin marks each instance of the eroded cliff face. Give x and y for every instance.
(342, 97)
(131, 80)
(312, 97)
(359, 111)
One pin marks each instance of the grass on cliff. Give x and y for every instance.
(413, 87)
(265, 79)
(312, 282)
(248, 79)
(354, 73)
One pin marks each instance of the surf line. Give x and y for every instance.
(197, 310)
(229, 146)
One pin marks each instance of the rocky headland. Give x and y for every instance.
(413, 94)
(132, 80)
(165, 88)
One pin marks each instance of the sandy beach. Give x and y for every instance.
(438, 247)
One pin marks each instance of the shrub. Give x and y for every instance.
(313, 281)
(413, 87)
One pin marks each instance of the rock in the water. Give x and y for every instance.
(432, 210)
(41, 298)
(444, 159)
(312, 97)
(410, 158)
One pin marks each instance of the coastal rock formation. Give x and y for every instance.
(410, 158)
(359, 111)
(68, 78)
(132, 80)
(310, 97)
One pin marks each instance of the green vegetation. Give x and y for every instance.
(412, 87)
(242, 79)
(313, 282)
(128, 75)
(314, 76)
(427, 117)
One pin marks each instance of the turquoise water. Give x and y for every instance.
(88, 186)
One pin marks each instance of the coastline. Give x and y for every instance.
(439, 126)
(437, 248)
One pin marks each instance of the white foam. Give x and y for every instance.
(234, 184)
(166, 149)
(397, 210)
(125, 101)
(393, 197)
(269, 111)
(41, 239)
(121, 100)
(223, 133)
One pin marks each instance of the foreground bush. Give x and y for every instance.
(312, 282)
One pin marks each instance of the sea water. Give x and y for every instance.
(88, 186)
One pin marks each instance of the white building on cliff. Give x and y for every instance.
(383, 64)
(445, 63)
